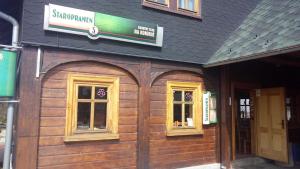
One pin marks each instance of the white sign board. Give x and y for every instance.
(206, 97)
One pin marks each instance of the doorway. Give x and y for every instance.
(243, 124)
(259, 124)
(274, 112)
(243, 120)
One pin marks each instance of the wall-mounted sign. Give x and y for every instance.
(209, 108)
(8, 61)
(98, 25)
(206, 108)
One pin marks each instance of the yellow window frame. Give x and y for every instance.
(196, 88)
(111, 131)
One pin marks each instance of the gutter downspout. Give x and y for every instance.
(15, 33)
(10, 109)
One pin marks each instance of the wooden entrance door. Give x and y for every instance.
(271, 124)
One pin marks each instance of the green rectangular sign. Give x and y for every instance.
(8, 61)
(98, 25)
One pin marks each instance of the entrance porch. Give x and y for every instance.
(260, 112)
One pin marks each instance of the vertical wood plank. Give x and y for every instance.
(144, 115)
(28, 115)
(225, 117)
(233, 120)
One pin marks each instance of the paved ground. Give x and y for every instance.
(266, 166)
(259, 163)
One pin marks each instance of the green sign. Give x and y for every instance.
(98, 25)
(8, 61)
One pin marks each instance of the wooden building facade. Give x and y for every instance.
(111, 104)
(142, 140)
(105, 101)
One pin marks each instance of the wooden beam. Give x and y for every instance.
(225, 117)
(28, 118)
(144, 116)
(281, 61)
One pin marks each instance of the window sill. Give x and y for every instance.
(187, 11)
(163, 7)
(91, 137)
(184, 132)
(155, 3)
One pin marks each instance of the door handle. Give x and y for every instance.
(282, 124)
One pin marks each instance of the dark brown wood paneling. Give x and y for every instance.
(142, 142)
(26, 152)
(55, 58)
(54, 153)
(181, 151)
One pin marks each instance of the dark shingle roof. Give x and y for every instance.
(271, 26)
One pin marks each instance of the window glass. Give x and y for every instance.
(245, 109)
(247, 101)
(177, 95)
(181, 4)
(83, 116)
(84, 92)
(188, 96)
(97, 113)
(101, 93)
(100, 116)
(191, 5)
(188, 110)
(187, 4)
(159, 1)
(177, 115)
(242, 101)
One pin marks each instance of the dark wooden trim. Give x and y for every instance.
(225, 117)
(265, 54)
(144, 116)
(244, 85)
(173, 8)
(281, 61)
(28, 117)
(215, 88)
(233, 121)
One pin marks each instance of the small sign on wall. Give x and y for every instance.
(209, 108)
(206, 108)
